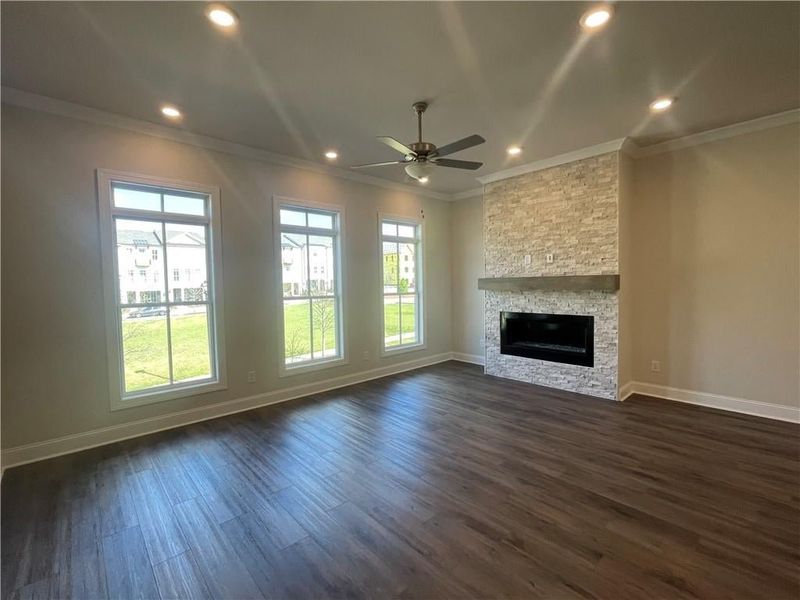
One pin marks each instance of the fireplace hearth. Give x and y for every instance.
(556, 338)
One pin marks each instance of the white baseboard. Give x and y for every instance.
(625, 390)
(730, 403)
(27, 453)
(474, 359)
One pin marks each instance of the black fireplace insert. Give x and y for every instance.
(557, 338)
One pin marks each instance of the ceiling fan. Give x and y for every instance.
(421, 157)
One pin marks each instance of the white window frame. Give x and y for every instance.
(420, 305)
(107, 210)
(279, 202)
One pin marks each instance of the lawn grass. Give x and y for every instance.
(145, 350)
(145, 343)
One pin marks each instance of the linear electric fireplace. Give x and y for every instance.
(556, 338)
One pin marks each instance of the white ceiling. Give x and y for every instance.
(298, 78)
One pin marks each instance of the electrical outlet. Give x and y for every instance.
(251, 377)
(655, 366)
(527, 259)
(549, 258)
(366, 354)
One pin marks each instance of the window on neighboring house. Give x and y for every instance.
(312, 308)
(176, 274)
(401, 241)
(166, 345)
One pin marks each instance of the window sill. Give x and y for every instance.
(386, 352)
(287, 371)
(173, 393)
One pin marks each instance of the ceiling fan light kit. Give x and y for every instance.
(421, 157)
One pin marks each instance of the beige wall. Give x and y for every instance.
(716, 267)
(625, 294)
(466, 235)
(54, 368)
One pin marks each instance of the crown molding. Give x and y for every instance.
(711, 135)
(554, 161)
(71, 110)
(473, 193)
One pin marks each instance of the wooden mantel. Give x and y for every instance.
(570, 283)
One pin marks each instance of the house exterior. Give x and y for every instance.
(142, 265)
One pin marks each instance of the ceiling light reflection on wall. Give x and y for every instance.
(221, 15)
(170, 111)
(596, 18)
(661, 104)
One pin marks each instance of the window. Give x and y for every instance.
(169, 344)
(176, 274)
(309, 250)
(401, 242)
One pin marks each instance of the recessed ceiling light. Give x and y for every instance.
(595, 18)
(514, 150)
(423, 179)
(661, 104)
(331, 155)
(221, 15)
(170, 111)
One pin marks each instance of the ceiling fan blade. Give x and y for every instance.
(457, 164)
(393, 143)
(467, 142)
(380, 164)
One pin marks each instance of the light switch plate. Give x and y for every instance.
(549, 258)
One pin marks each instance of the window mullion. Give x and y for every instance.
(166, 292)
(308, 293)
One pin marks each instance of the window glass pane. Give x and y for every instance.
(406, 231)
(294, 267)
(296, 331)
(323, 318)
(144, 348)
(140, 261)
(389, 228)
(320, 220)
(408, 268)
(185, 205)
(389, 267)
(391, 321)
(186, 260)
(293, 217)
(136, 198)
(191, 358)
(409, 319)
(320, 261)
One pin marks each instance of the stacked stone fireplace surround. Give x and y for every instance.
(572, 212)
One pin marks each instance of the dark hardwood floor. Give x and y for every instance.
(437, 483)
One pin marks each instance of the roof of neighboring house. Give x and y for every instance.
(133, 237)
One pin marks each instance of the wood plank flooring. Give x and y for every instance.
(437, 483)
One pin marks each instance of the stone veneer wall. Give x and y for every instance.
(570, 211)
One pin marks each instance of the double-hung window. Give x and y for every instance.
(401, 276)
(161, 344)
(308, 251)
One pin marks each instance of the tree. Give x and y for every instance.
(324, 319)
(296, 345)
